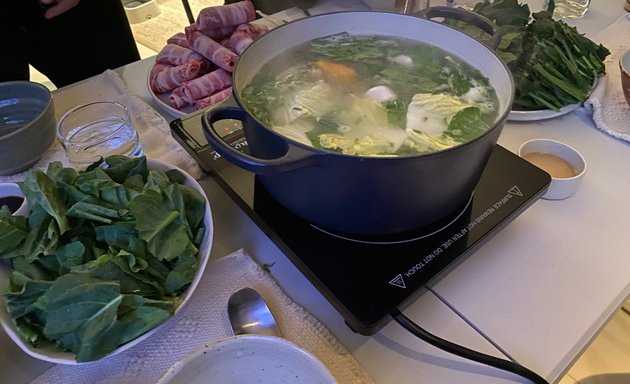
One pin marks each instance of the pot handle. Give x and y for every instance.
(473, 18)
(293, 157)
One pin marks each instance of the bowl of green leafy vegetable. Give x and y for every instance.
(554, 66)
(104, 258)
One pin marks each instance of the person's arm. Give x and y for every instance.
(55, 8)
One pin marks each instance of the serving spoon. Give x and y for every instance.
(249, 314)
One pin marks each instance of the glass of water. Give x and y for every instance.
(570, 9)
(465, 4)
(99, 129)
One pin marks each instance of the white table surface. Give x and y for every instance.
(540, 290)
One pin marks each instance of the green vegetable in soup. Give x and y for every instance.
(103, 255)
(372, 96)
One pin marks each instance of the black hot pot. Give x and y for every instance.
(358, 194)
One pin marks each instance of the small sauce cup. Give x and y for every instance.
(11, 195)
(565, 165)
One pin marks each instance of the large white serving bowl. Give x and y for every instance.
(249, 359)
(50, 354)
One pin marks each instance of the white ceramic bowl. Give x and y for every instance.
(12, 189)
(52, 355)
(560, 188)
(248, 359)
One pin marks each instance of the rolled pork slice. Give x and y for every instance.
(179, 39)
(206, 85)
(218, 33)
(173, 54)
(176, 98)
(254, 30)
(172, 77)
(155, 69)
(243, 36)
(237, 42)
(212, 50)
(213, 99)
(226, 15)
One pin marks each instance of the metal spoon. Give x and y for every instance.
(249, 314)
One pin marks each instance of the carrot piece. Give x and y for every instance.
(336, 73)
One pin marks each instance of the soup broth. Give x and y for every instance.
(372, 95)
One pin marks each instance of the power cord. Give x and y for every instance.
(464, 352)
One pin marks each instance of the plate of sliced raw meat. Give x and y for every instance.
(194, 69)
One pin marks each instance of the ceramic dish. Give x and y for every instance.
(163, 101)
(248, 359)
(12, 190)
(27, 124)
(50, 354)
(544, 114)
(560, 187)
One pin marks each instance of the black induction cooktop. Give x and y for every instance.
(366, 277)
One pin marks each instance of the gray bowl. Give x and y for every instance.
(27, 125)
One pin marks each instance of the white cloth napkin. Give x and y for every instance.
(204, 319)
(153, 130)
(610, 111)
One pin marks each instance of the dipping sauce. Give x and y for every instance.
(13, 202)
(554, 165)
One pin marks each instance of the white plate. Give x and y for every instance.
(544, 114)
(51, 354)
(249, 359)
(163, 101)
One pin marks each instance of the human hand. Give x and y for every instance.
(57, 7)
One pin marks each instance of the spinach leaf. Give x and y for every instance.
(397, 112)
(343, 46)
(80, 308)
(13, 230)
(90, 317)
(466, 125)
(151, 214)
(24, 295)
(40, 190)
(121, 168)
(64, 259)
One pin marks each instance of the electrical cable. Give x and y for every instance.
(464, 352)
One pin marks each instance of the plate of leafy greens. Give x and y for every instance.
(104, 258)
(555, 68)
(541, 114)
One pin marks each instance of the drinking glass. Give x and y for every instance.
(466, 4)
(570, 9)
(99, 129)
(411, 6)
